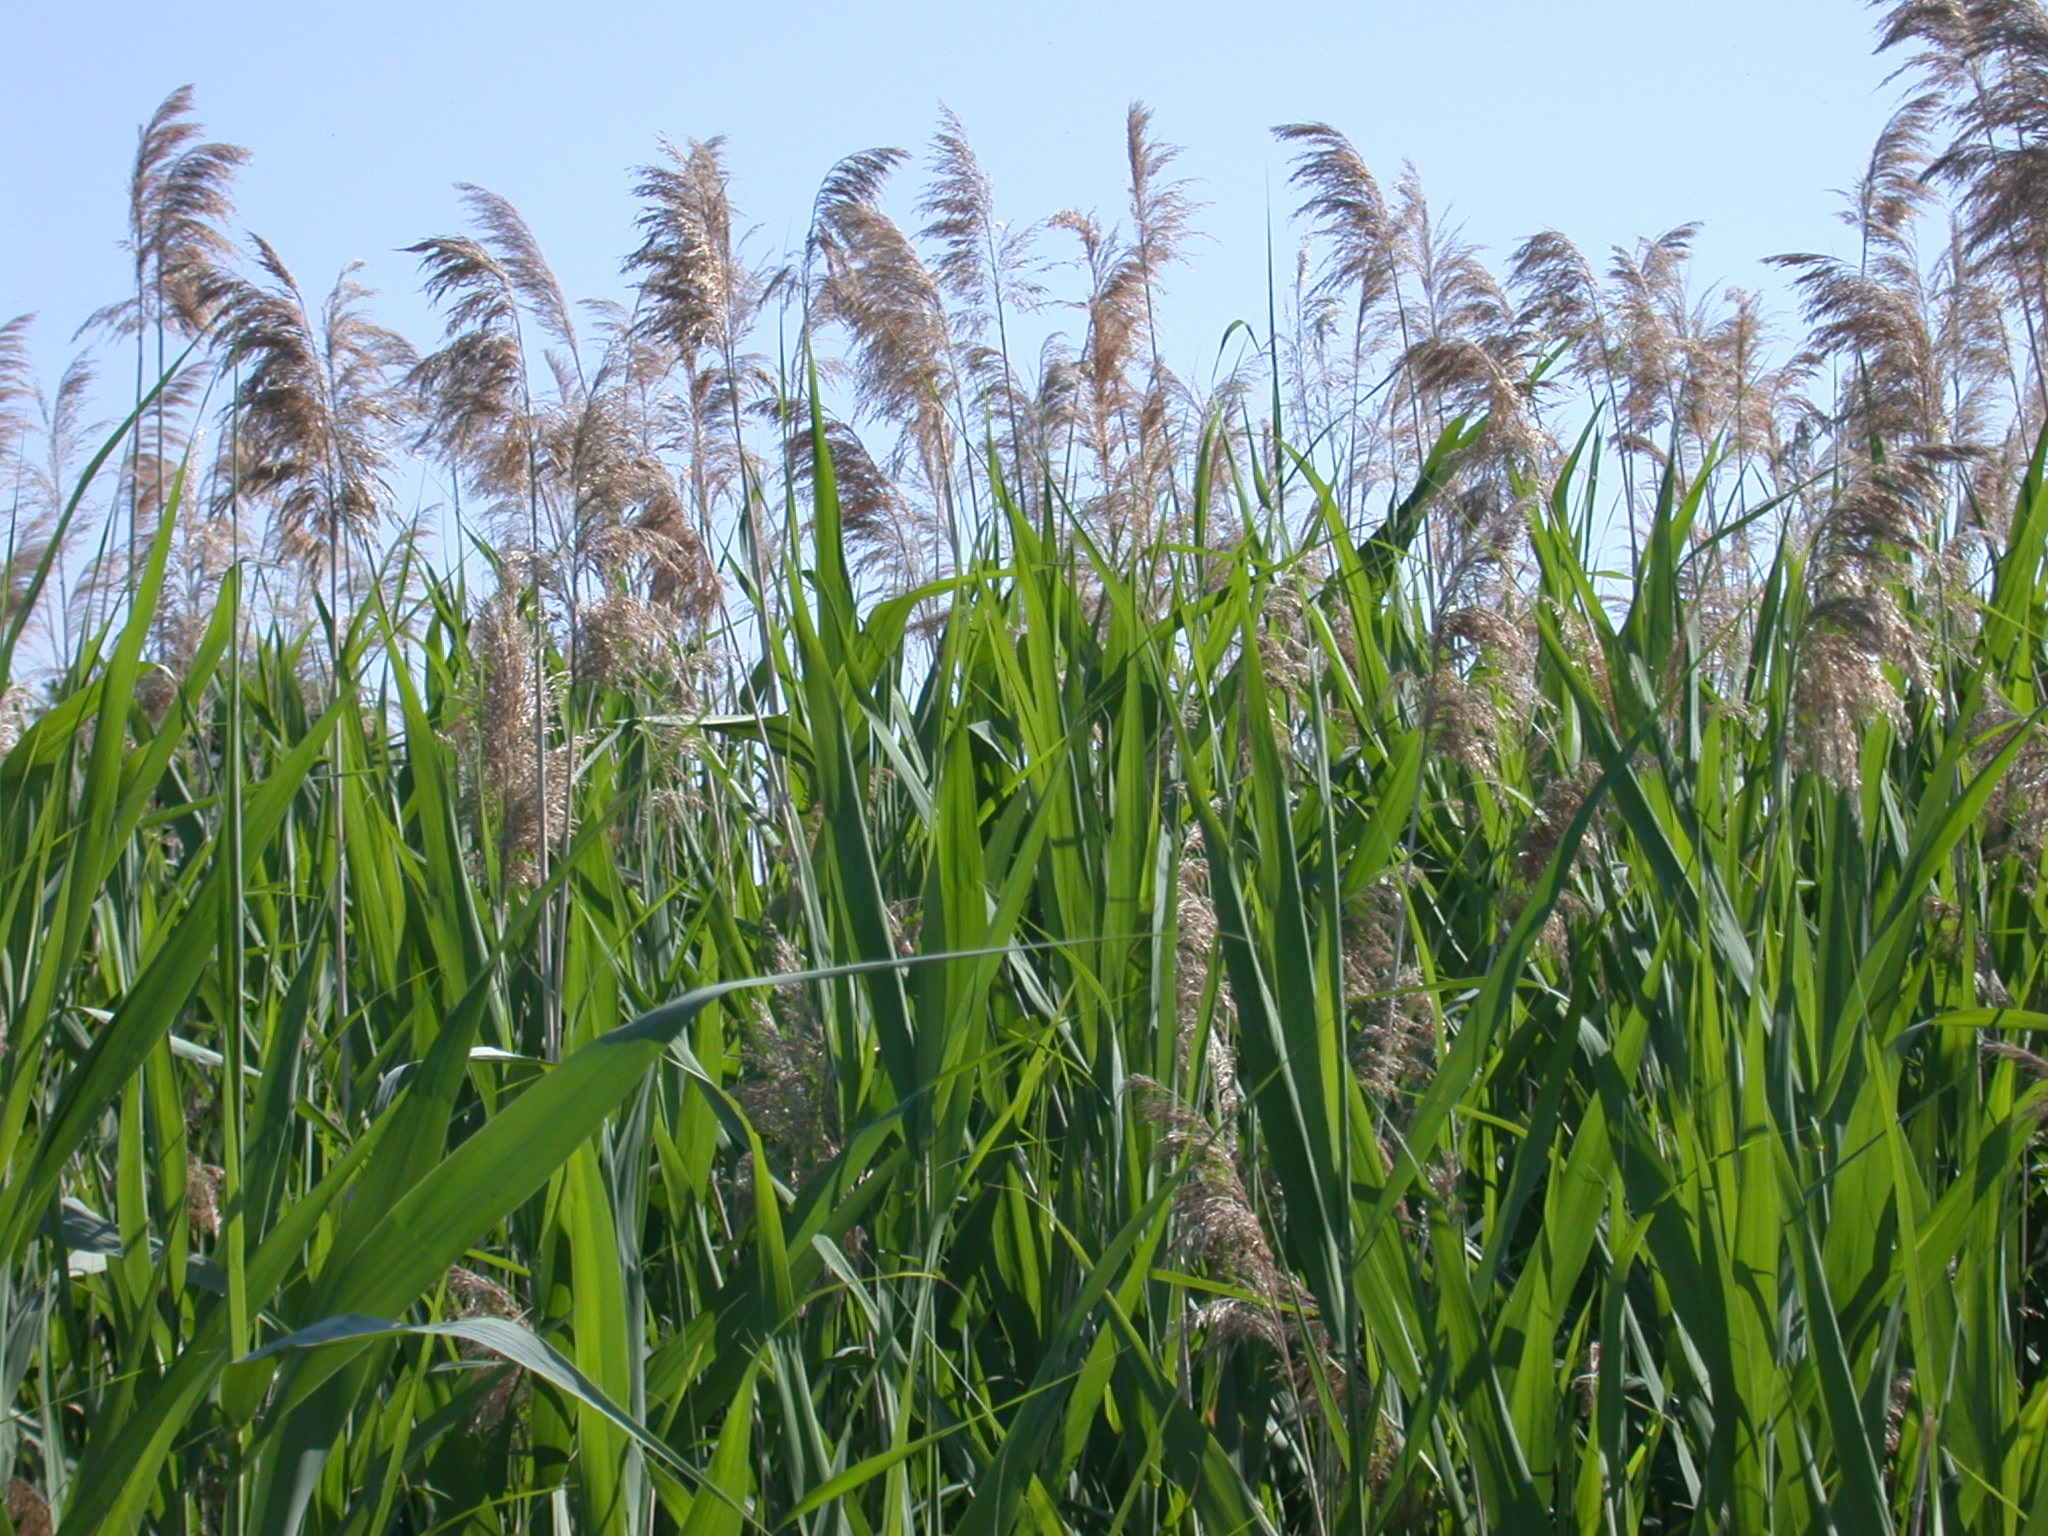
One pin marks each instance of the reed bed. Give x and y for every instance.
(1443, 934)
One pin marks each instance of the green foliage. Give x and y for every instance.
(1127, 1057)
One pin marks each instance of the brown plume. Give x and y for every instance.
(317, 405)
(179, 197)
(694, 291)
(1348, 212)
(877, 288)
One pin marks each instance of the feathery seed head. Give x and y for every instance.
(13, 716)
(27, 1510)
(1898, 1397)
(1226, 1323)
(1194, 952)
(695, 291)
(1556, 807)
(616, 636)
(1446, 1180)
(1217, 1225)
(1348, 211)
(2034, 1066)
(203, 1182)
(788, 1094)
(2019, 807)
(787, 1087)
(1461, 720)
(318, 407)
(513, 704)
(1587, 1381)
(180, 194)
(1383, 989)
(156, 690)
(478, 1295)
(1842, 685)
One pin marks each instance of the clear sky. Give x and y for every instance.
(1607, 119)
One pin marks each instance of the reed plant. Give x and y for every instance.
(901, 944)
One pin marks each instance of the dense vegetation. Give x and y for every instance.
(898, 944)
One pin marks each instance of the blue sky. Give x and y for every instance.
(1607, 120)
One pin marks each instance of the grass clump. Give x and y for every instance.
(911, 946)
